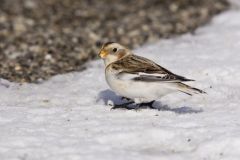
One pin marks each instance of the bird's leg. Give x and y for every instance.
(148, 104)
(124, 105)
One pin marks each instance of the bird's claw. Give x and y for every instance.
(123, 106)
(137, 107)
(148, 104)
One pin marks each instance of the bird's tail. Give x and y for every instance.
(188, 89)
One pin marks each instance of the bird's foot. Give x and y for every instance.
(135, 107)
(148, 104)
(123, 106)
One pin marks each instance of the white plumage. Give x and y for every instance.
(137, 90)
(139, 78)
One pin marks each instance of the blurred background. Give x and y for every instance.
(42, 38)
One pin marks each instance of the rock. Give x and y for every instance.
(39, 39)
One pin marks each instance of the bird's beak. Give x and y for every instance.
(103, 53)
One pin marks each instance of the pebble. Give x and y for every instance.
(39, 39)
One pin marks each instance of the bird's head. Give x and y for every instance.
(111, 52)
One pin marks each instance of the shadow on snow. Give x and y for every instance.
(108, 95)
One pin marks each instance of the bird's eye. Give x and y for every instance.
(114, 49)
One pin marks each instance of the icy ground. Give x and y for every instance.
(66, 117)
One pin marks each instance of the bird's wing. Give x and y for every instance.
(142, 69)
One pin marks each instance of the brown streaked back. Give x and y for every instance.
(134, 64)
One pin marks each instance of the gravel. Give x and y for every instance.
(39, 39)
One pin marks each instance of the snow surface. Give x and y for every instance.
(67, 116)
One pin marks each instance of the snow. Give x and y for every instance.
(67, 116)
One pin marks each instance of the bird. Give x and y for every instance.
(138, 79)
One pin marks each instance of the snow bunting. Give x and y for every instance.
(139, 79)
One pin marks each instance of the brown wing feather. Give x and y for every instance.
(134, 64)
